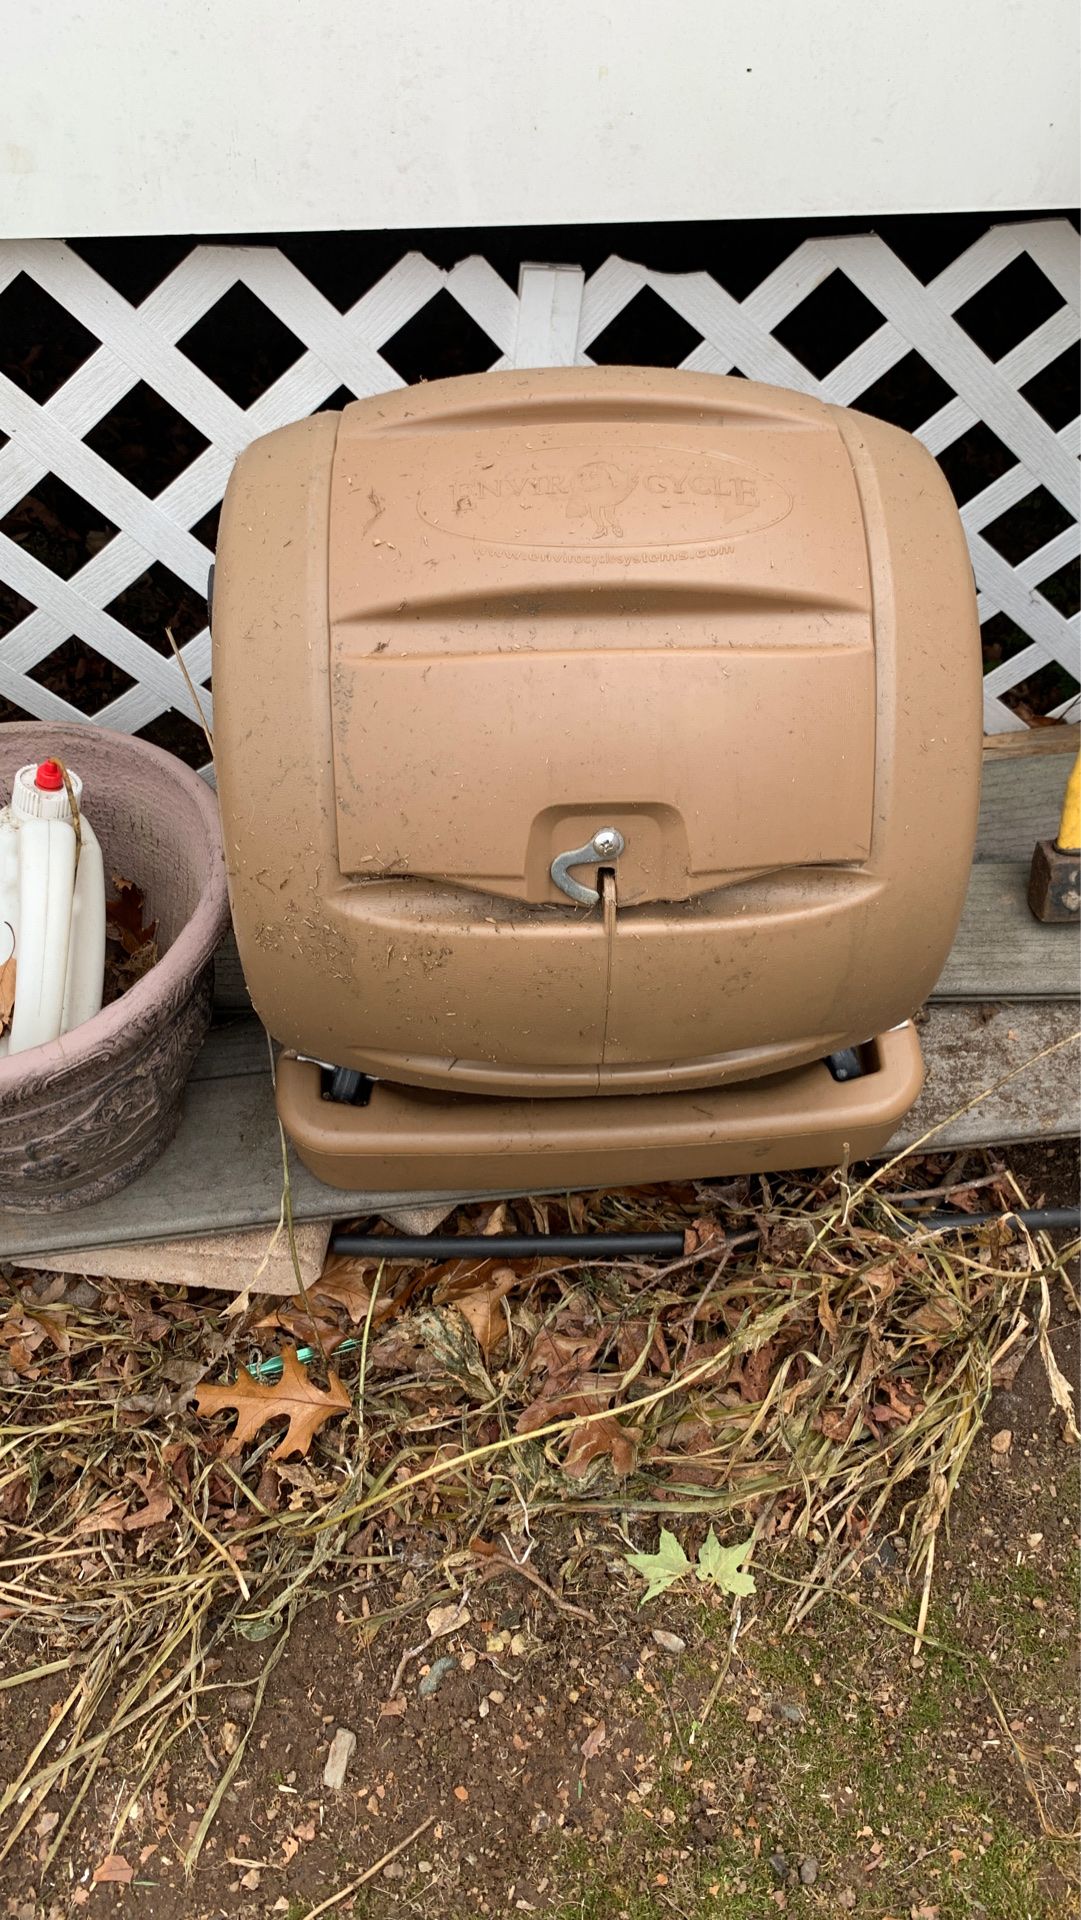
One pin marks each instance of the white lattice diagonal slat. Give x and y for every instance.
(556, 316)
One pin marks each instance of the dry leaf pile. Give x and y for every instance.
(806, 1371)
(131, 946)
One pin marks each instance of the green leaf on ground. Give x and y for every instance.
(659, 1570)
(717, 1566)
(722, 1566)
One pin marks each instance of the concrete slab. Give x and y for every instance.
(258, 1259)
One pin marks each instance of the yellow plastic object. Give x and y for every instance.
(1069, 833)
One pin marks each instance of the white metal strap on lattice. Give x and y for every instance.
(554, 319)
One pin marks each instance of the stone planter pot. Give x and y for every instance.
(84, 1115)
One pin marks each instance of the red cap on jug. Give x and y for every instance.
(49, 777)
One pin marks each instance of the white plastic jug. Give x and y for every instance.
(51, 916)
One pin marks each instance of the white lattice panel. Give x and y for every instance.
(556, 317)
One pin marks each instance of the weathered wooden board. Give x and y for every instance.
(223, 1170)
(1001, 952)
(1021, 800)
(969, 1049)
(1064, 737)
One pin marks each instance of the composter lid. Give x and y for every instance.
(553, 611)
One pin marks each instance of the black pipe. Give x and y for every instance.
(509, 1246)
(623, 1246)
(1036, 1219)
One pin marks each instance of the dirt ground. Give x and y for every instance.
(565, 1750)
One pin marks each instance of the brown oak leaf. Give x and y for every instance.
(344, 1282)
(125, 917)
(596, 1436)
(600, 1436)
(131, 948)
(561, 1354)
(106, 1518)
(703, 1235)
(294, 1397)
(304, 1329)
(114, 1867)
(157, 1509)
(476, 1288)
(837, 1423)
(754, 1374)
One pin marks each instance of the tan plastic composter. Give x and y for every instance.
(598, 754)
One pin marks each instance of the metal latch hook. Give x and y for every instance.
(607, 844)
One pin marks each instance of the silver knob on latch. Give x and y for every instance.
(607, 844)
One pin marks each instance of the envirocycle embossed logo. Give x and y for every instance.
(636, 497)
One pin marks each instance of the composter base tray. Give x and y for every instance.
(410, 1139)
